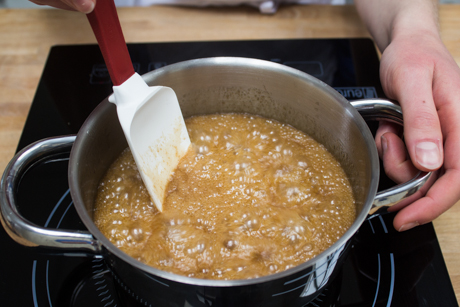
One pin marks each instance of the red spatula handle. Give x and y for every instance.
(106, 27)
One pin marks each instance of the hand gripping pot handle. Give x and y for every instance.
(22, 230)
(29, 234)
(381, 109)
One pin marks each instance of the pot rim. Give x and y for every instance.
(247, 63)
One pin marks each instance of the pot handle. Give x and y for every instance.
(382, 109)
(22, 230)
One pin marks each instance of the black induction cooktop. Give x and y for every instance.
(383, 268)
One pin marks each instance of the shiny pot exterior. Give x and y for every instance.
(233, 85)
(206, 86)
(292, 289)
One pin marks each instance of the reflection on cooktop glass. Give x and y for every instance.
(382, 267)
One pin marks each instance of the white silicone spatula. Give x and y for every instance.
(149, 115)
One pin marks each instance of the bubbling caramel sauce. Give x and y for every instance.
(252, 197)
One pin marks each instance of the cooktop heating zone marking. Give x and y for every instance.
(379, 265)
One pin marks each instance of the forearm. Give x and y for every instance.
(388, 19)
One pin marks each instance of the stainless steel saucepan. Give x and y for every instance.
(205, 86)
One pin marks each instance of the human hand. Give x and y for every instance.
(84, 6)
(418, 71)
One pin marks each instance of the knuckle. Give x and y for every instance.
(425, 119)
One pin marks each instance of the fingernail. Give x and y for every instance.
(384, 144)
(428, 155)
(84, 6)
(408, 226)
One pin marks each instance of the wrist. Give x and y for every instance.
(387, 20)
(414, 20)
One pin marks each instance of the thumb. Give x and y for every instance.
(84, 6)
